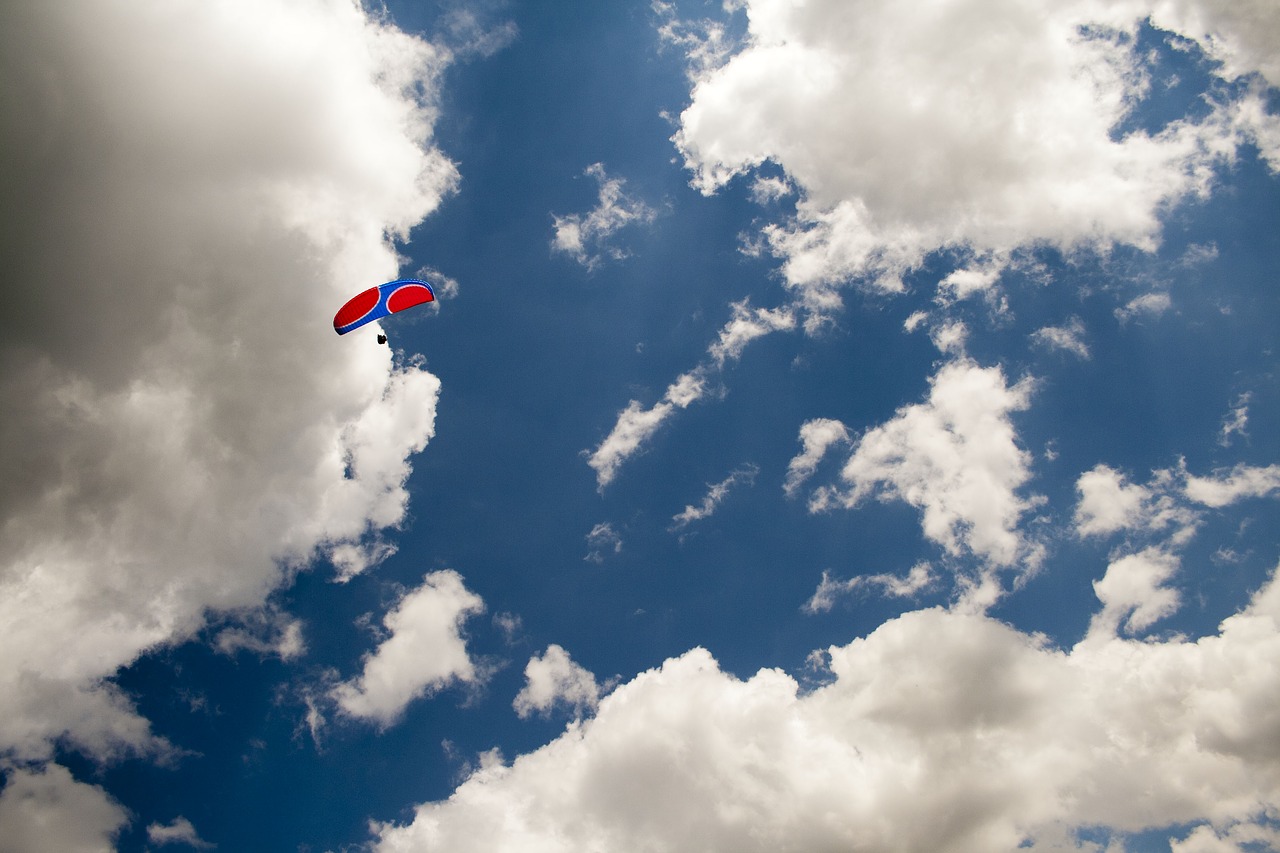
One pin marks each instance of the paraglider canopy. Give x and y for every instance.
(377, 302)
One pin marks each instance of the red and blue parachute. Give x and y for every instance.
(378, 302)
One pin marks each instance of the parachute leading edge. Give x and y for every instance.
(377, 302)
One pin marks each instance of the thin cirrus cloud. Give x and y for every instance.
(191, 430)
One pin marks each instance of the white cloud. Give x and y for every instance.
(47, 809)
(1149, 304)
(1243, 36)
(942, 730)
(817, 437)
(1242, 837)
(636, 424)
(424, 651)
(1243, 481)
(554, 679)
(586, 238)
(715, 495)
(745, 326)
(963, 283)
(950, 337)
(1068, 337)
(1133, 593)
(914, 321)
(988, 124)
(177, 831)
(602, 538)
(1237, 421)
(263, 632)
(954, 457)
(182, 428)
(829, 589)
(1109, 503)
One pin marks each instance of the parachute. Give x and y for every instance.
(377, 302)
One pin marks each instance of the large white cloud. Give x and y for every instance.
(979, 124)
(46, 809)
(190, 190)
(942, 730)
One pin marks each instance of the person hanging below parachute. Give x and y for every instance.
(381, 301)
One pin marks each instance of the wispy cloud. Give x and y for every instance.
(920, 578)
(1068, 337)
(601, 540)
(1146, 305)
(716, 493)
(587, 237)
(1237, 421)
(177, 831)
(636, 424)
(817, 437)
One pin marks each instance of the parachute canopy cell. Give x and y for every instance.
(377, 302)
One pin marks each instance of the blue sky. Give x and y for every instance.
(841, 426)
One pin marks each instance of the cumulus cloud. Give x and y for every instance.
(182, 429)
(895, 586)
(552, 680)
(986, 124)
(424, 651)
(46, 809)
(714, 497)
(954, 457)
(995, 741)
(587, 237)
(1133, 592)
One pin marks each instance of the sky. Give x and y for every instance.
(842, 425)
